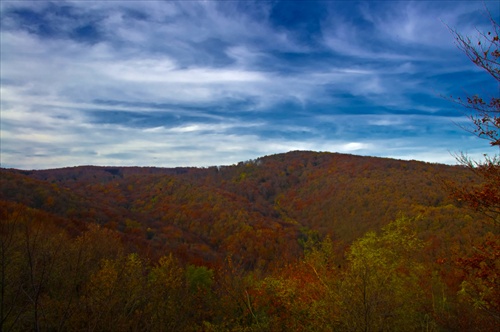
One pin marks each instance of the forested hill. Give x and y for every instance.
(302, 241)
(258, 211)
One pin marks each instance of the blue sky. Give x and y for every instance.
(201, 83)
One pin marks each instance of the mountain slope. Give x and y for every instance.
(256, 211)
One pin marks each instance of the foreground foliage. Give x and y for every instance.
(398, 278)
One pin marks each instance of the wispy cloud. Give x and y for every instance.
(209, 82)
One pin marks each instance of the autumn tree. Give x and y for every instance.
(482, 285)
(303, 296)
(482, 268)
(234, 289)
(12, 305)
(484, 116)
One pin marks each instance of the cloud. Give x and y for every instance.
(208, 82)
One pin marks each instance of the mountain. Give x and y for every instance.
(259, 211)
(301, 241)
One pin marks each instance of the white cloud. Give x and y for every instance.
(386, 121)
(227, 77)
(144, 71)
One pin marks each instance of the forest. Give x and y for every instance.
(301, 241)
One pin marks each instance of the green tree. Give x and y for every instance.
(115, 295)
(166, 306)
(199, 280)
(380, 287)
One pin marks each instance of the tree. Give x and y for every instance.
(167, 307)
(12, 304)
(484, 118)
(484, 195)
(199, 281)
(482, 285)
(482, 269)
(303, 296)
(380, 290)
(115, 295)
(483, 52)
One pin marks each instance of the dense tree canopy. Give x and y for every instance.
(299, 241)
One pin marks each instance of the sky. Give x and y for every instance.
(204, 83)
